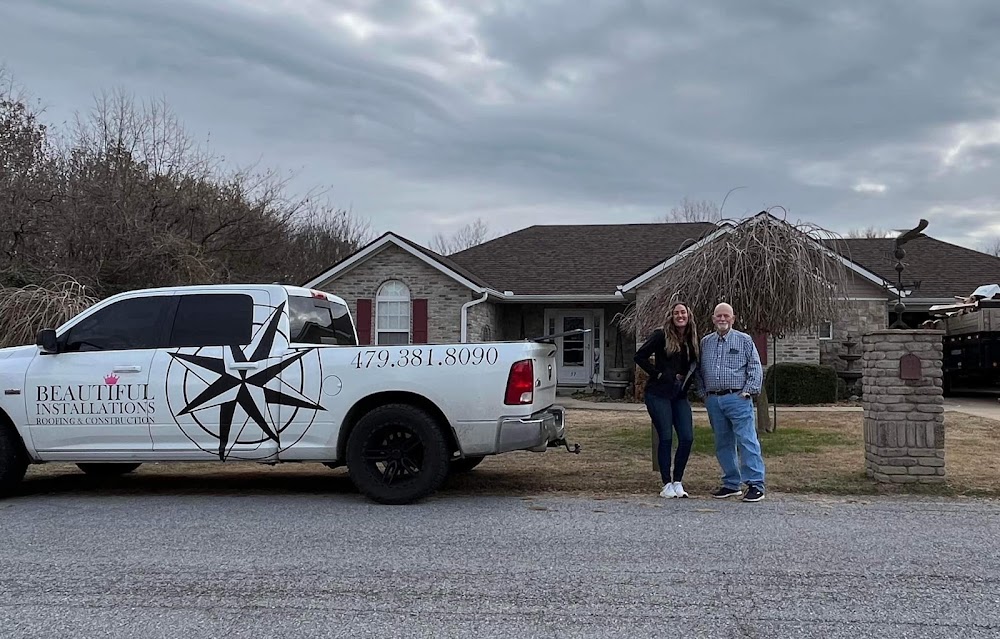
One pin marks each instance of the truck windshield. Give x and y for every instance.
(318, 321)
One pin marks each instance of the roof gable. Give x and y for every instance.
(429, 257)
(729, 227)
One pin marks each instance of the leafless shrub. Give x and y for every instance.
(870, 232)
(472, 234)
(694, 211)
(25, 310)
(992, 247)
(778, 276)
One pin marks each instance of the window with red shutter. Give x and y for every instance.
(364, 321)
(760, 341)
(419, 321)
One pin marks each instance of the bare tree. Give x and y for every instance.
(694, 211)
(992, 247)
(127, 200)
(779, 277)
(472, 234)
(870, 233)
(28, 182)
(318, 238)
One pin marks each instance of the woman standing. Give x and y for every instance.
(675, 352)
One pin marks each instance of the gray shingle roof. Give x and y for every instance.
(576, 259)
(944, 269)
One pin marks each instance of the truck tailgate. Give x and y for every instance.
(543, 361)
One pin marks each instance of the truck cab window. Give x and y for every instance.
(136, 323)
(317, 321)
(222, 319)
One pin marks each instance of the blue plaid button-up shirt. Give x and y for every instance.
(729, 363)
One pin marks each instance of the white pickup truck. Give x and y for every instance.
(270, 374)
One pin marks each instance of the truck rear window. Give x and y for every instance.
(317, 321)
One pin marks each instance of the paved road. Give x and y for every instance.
(314, 565)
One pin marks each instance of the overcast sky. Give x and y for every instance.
(421, 116)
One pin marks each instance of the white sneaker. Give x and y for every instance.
(668, 491)
(679, 490)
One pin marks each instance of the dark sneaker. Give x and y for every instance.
(753, 494)
(724, 492)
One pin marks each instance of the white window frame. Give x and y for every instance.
(400, 294)
(825, 336)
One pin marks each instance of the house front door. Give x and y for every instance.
(575, 358)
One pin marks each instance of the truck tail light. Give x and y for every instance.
(520, 384)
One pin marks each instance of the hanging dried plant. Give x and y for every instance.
(779, 277)
(26, 310)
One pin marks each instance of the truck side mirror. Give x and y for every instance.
(47, 340)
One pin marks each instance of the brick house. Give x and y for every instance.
(548, 279)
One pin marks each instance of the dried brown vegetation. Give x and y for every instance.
(779, 276)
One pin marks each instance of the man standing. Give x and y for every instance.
(729, 378)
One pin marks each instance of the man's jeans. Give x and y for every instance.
(732, 418)
(668, 414)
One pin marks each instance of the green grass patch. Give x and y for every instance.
(781, 442)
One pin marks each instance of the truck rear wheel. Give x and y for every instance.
(397, 454)
(107, 470)
(13, 462)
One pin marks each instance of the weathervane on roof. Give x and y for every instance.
(899, 254)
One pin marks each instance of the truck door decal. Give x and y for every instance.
(242, 381)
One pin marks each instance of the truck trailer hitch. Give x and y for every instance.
(555, 443)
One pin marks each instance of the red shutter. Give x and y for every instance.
(419, 321)
(760, 341)
(364, 321)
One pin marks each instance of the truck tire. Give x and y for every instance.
(397, 454)
(465, 464)
(107, 470)
(13, 462)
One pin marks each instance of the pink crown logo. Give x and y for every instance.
(111, 379)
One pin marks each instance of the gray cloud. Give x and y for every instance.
(422, 116)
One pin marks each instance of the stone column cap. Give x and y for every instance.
(905, 331)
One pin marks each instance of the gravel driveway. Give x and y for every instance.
(336, 566)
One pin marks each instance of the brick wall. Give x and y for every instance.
(483, 317)
(444, 295)
(801, 348)
(859, 317)
(904, 418)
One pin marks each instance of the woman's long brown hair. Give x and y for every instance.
(674, 336)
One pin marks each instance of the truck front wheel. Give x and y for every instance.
(13, 463)
(397, 454)
(107, 470)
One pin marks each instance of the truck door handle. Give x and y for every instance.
(244, 366)
(127, 369)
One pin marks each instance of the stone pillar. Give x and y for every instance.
(904, 406)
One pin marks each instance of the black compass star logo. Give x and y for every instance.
(244, 389)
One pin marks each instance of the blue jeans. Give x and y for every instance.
(733, 423)
(668, 414)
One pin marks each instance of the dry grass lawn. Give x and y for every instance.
(810, 452)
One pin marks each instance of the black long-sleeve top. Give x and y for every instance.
(662, 375)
